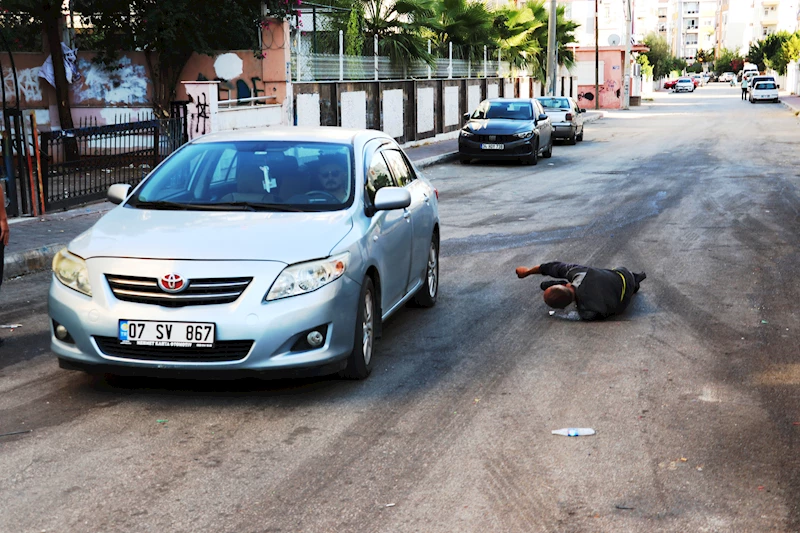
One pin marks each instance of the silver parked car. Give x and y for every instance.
(566, 117)
(281, 249)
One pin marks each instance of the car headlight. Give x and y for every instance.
(523, 135)
(467, 133)
(307, 277)
(71, 271)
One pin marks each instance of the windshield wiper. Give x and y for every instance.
(252, 206)
(160, 204)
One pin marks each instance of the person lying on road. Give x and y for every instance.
(597, 293)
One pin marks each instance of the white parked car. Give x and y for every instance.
(764, 91)
(727, 77)
(684, 85)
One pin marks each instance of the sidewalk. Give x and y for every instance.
(792, 102)
(35, 240)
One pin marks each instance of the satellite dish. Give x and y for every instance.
(613, 39)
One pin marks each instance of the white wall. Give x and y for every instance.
(393, 112)
(425, 110)
(354, 110)
(451, 106)
(308, 110)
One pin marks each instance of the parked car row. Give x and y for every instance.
(519, 129)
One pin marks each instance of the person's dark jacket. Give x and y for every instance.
(599, 292)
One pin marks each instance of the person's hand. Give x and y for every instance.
(523, 272)
(4, 231)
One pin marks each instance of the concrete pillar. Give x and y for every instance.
(276, 66)
(203, 108)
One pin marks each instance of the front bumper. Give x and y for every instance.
(518, 149)
(266, 333)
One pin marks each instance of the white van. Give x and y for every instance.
(764, 91)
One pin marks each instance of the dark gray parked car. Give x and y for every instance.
(506, 128)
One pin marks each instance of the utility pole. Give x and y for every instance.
(596, 58)
(626, 72)
(551, 47)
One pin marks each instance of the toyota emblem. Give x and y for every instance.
(172, 283)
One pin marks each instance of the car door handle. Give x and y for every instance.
(426, 198)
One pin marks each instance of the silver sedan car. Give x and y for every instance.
(277, 251)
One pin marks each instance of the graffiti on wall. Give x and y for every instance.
(609, 95)
(127, 83)
(228, 70)
(28, 80)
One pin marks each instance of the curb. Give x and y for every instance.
(436, 159)
(789, 106)
(596, 115)
(30, 261)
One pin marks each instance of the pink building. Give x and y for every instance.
(611, 87)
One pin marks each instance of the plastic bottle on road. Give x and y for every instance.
(573, 432)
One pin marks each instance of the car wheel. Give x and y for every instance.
(426, 295)
(580, 136)
(549, 152)
(572, 139)
(534, 157)
(359, 364)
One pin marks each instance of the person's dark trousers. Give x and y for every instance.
(639, 277)
(744, 93)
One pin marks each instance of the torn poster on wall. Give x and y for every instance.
(70, 56)
(126, 83)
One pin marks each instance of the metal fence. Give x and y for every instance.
(79, 165)
(341, 67)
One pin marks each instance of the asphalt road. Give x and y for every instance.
(693, 392)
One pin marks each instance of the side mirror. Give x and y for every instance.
(466, 116)
(583, 110)
(389, 198)
(542, 117)
(117, 193)
(778, 86)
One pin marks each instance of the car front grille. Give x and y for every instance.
(199, 291)
(495, 138)
(223, 351)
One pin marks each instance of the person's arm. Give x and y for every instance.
(524, 272)
(3, 218)
(557, 270)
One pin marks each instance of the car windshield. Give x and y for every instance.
(251, 176)
(765, 85)
(554, 103)
(508, 110)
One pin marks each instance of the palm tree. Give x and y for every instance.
(399, 25)
(523, 37)
(466, 24)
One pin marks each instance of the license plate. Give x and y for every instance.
(492, 146)
(171, 334)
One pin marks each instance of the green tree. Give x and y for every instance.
(354, 34)
(468, 25)
(728, 61)
(660, 56)
(766, 53)
(169, 31)
(523, 36)
(399, 25)
(790, 52)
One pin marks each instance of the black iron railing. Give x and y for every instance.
(79, 165)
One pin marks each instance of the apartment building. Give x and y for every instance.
(611, 20)
(693, 27)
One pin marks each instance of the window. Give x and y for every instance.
(226, 167)
(554, 103)
(402, 174)
(305, 176)
(378, 176)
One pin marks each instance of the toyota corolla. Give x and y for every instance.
(281, 249)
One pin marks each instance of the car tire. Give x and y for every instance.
(427, 294)
(464, 160)
(572, 139)
(549, 152)
(580, 136)
(360, 361)
(534, 157)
